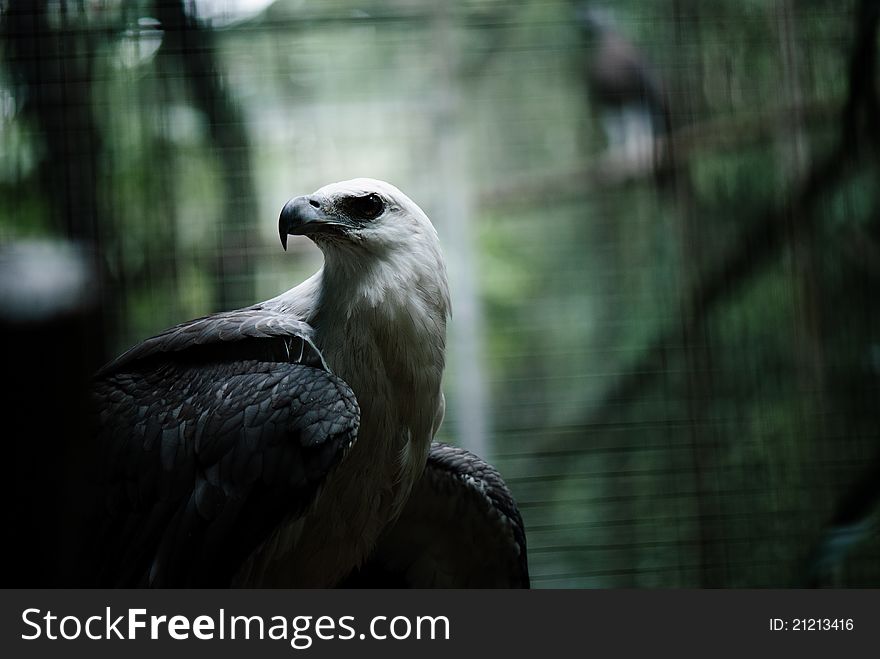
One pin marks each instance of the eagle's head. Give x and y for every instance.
(372, 236)
(378, 245)
(363, 213)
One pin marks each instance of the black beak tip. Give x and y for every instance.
(284, 221)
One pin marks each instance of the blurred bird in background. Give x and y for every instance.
(626, 91)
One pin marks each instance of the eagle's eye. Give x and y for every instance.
(368, 207)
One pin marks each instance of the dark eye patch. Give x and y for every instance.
(367, 207)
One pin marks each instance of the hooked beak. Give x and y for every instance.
(303, 216)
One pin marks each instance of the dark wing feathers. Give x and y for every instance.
(215, 432)
(249, 333)
(461, 528)
(453, 465)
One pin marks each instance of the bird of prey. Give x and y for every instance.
(276, 444)
(623, 86)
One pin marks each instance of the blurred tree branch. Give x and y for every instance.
(190, 47)
(52, 68)
(51, 60)
(618, 169)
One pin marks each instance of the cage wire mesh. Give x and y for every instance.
(674, 365)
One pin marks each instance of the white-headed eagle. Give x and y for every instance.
(289, 444)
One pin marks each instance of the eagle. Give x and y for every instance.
(291, 443)
(630, 95)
